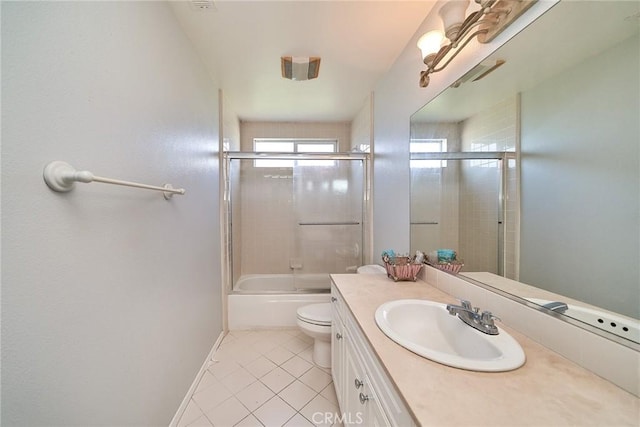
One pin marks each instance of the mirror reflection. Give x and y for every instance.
(560, 211)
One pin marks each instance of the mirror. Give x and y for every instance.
(565, 105)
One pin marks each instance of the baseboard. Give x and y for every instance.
(196, 381)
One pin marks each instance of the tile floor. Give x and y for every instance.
(263, 378)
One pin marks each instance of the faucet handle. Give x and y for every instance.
(466, 304)
(487, 318)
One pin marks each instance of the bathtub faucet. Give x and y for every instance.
(470, 315)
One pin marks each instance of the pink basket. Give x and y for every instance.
(453, 268)
(403, 272)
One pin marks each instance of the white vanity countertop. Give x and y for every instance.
(547, 390)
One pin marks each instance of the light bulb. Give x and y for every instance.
(429, 44)
(452, 14)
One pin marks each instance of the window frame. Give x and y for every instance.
(296, 144)
(427, 164)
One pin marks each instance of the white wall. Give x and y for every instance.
(581, 181)
(362, 126)
(230, 126)
(110, 295)
(397, 97)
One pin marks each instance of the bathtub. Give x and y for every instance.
(282, 283)
(271, 300)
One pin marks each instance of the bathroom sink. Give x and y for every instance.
(427, 329)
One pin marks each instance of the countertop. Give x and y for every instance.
(548, 390)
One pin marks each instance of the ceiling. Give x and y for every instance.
(241, 43)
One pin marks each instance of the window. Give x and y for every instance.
(285, 145)
(438, 145)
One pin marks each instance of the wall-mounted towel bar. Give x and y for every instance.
(61, 176)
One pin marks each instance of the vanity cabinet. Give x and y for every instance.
(365, 394)
(338, 350)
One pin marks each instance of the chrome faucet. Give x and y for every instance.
(557, 306)
(472, 317)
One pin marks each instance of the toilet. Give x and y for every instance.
(315, 321)
(371, 269)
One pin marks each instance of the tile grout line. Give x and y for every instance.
(249, 345)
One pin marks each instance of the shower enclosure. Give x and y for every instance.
(466, 201)
(293, 219)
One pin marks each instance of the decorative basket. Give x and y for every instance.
(401, 269)
(453, 267)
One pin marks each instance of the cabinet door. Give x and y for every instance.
(353, 410)
(373, 413)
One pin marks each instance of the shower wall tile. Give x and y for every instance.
(263, 206)
(491, 130)
(434, 193)
(264, 220)
(267, 208)
(335, 130)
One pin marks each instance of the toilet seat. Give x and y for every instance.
(316, 314)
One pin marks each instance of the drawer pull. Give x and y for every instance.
(363, 398)
(358, 383)
(338, 336)
(334, 299)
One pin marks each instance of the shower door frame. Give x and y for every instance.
(502, 157)
(229, 156)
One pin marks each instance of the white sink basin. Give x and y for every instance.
(427, 329)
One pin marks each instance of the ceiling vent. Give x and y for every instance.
(300, 67)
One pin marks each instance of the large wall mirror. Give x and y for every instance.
(560, 211)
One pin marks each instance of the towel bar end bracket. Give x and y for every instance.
(59, 176)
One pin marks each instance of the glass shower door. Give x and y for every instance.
(457, 203)
(427, 205)
(328, 198)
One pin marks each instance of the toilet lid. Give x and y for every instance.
(319, 314)
(371, 268)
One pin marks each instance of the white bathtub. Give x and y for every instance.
(282, 283)
(271, 300)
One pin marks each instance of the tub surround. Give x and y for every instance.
(548, 389)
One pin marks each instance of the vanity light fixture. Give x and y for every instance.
(438, 49)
